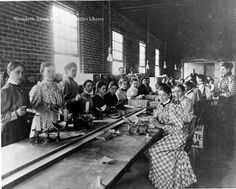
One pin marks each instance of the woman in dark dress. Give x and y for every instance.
(110, 97)
(98, 99)
(142, 88)
(15, 100)
(71, 90)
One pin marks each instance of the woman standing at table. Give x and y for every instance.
(169, 163)
(227, 89)
(14, 101)
(71, 89)
(47, 99)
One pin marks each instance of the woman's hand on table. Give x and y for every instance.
(154, 123)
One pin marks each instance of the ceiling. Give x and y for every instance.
(181, 22)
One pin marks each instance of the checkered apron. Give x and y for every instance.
(169, 164)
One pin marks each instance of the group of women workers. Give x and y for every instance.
(48, 99)
(169, 163)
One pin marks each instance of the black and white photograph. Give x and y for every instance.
(115, 94)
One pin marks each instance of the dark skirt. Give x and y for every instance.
(15, 131)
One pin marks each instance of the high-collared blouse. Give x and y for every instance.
(46, 98)
(227, 85)
(171, 117)
(121, 94)
(12, 97)
(132, 92)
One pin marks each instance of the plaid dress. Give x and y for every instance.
(169, 163)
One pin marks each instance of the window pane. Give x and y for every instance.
(62, 60)
(117, 37)
(65, 28)
(142, 57)
(142, 50)
(157, 57)
(157, 71)
(115, 66)
(117, 55)
(141, 69)
(141, 62)
(117, 46)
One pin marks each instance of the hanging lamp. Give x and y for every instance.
(165, 57)
(176, 67)
(147, 65)
(109, 57)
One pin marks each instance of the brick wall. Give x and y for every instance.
(31, 41)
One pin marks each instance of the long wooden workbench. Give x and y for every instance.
(80, 160)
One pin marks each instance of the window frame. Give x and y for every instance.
(157, 64)
(61, 58)
(115, 60)
(142, 67)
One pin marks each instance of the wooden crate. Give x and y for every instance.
(153, 103)
(151, 97)
(138, 103)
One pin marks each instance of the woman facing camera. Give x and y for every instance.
(98, 99)
(110, 97)
(47, 99)
(227, 84)
(184, 102)
(227, 91)
(14, 101)
(121, 93)
(169, 163)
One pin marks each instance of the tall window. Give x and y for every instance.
(142, 57)
(65, 32)
(117, 51)
(157, 58)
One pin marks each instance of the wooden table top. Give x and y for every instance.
(82, 168)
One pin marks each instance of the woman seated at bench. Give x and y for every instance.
(121, 93)
(142, 88)
(110, 97)
(184, 102)
(191, 92)
(98, 99)
(169, 163)
(87, 94)
(132, 92)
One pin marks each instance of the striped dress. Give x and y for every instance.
(169, 164)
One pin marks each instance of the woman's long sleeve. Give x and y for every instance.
(6, 115)
(36, 100)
